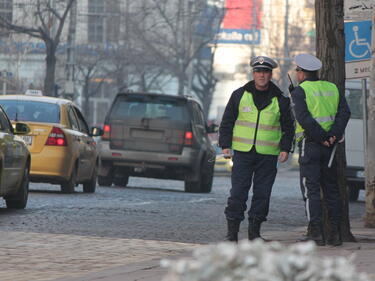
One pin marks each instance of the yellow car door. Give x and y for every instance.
(89, 149)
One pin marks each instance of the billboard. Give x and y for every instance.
(241, 23)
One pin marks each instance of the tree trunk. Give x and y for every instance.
(49, 80)
(370, 144)
(86, 95)
(331, 50)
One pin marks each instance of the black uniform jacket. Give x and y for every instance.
(313, 130)
(261, 99)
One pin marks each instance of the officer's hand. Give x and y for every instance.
(283, 156)
(326, 143)
(227, 153)
(332, 140)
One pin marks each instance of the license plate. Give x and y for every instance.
(27, 139)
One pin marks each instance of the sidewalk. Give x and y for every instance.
(59, 257)
(150, 270)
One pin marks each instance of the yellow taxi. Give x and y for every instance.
(222, 165)
(62, 147)
(14, 163)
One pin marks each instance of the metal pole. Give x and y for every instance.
(370, 143)
(364, 96)
(69, 89)
(4, 82)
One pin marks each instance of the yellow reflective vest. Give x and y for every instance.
(322, 100)
(259, 128)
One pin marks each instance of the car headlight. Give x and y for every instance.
(360, 174)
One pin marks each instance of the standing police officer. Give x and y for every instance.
(322, 115)
(258, 125)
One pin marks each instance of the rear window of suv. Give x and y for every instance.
(149, 107)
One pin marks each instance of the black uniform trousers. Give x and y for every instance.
(316, 176)
(258, 170)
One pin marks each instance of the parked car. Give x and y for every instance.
(14, 163)
(354, 144)
(156, 136)
(62, 147)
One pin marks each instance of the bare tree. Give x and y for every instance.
(44, 20)
(331, 50)
(169, 33)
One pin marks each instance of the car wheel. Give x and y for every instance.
(206, 182)
(90, 185)
(121, 181)
(69, 185)
(105, 181)
(19, 201)
(353, 193)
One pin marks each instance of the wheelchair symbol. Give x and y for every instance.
(359, 47)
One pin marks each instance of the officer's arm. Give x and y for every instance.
(227, 123)
(312, 128)
(287, 124)
(341, 119)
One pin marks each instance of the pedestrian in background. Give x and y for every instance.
(258, 126)
(322, 114)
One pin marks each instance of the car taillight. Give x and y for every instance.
(56, 137)
(188, 138)
(106, 132)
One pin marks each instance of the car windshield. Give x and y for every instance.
(33, 111)
(153, 108)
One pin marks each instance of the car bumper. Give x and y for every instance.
(54, 162)
(187, 158)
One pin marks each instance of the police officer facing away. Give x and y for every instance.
(258, 125)
(322, 114)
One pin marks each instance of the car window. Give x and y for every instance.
(72, 119)
(197, 115)
(32, 111)
(81, 122)
(155, 108)
(4, 122)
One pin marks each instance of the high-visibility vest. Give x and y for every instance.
(260, 128)
(322, 100)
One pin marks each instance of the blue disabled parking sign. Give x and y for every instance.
(357, 41)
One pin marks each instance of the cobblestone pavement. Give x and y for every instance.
(62, 235)
(36, 256)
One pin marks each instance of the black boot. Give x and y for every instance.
(335, 236)
(233, 228)
(316, 234)
(254, 229)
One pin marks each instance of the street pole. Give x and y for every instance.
(4, 82)
(370, 149)
(70, 65)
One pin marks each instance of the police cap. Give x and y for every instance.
(262, 62)
(308, 62)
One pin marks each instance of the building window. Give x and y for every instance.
(103, 21)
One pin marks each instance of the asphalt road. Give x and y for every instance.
(152, 209)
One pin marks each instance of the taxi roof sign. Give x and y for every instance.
(32, 92)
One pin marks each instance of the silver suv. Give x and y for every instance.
(156, 136)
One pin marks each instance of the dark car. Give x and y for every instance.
(156, 136)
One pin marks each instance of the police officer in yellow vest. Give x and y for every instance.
(258, 126)
(322, 114)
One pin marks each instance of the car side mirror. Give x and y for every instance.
(213, 128)
(21, 129)
(96, 131)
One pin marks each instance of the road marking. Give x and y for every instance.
(201, 200)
